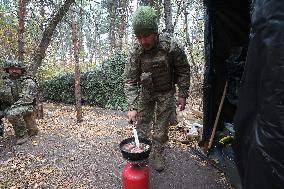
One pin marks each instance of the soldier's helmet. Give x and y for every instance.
(13, 64)
(145, 21)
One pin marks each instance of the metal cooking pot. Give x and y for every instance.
(135, 157)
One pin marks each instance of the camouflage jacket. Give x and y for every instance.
(18, 91)
(166, 63)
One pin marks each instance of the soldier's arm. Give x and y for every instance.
(1, 88)
(181, 70)
(1, 92)
(28, 94)
(131, 81)
(6, 97)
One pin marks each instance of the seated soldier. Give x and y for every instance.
(17, 100)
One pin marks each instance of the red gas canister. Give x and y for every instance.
(135, 176)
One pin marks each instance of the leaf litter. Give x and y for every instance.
(67, 154)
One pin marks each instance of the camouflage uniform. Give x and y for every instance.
(17, 98)
(150, 78)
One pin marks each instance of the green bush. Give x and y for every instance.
(102, 87)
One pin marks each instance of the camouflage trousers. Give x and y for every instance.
(2, 115)
(15, 115)
(156, 111)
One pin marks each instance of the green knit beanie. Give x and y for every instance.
(14, 64)
(144, 21)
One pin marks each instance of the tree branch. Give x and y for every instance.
(39, 53)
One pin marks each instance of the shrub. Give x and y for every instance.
(102, 87)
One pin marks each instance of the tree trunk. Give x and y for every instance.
(42, 13)
(180, 9)
(168, 17)
(80, 31)
(93, 47)
(122, 29)
(189, 43)
(111, 8)
(39, 54)
(21, 29)
(39, 105)
(77, 69)
(150, 3)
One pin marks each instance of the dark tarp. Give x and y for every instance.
(259, 119)
(227, 26)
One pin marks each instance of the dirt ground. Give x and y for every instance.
(66, 154)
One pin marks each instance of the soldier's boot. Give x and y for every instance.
(1, 134)
(158, 161)
(22, 139)
(32, 132)
(19, 125)
(31, 124)
(21, 135)
(1, 129)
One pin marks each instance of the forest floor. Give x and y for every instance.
(67, 154)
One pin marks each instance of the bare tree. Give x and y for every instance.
(168, 17)
(42, 13)
(148, 2)
(122, 11)
(112, 8)
(188, 41)
(93, 45)
(21, 29)
(39, 107)
(180, 9)
(39, 54)
(77, 68)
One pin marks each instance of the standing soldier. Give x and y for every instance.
(17, 96)
(156, 64)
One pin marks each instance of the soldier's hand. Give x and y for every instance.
(181, 103)
(132, 116)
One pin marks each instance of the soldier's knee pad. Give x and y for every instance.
(1, 126)
(11, 116)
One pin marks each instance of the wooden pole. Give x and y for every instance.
(217, 118)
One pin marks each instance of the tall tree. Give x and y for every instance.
(123, 13)
(168, 17)
(77, 68)
(112, 9)
(21, 29)
(40, 52)
(42, 13)
(180, 7)
(188, 41)
(148, 2)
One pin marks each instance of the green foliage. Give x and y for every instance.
(102, 88)
(8, 33)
